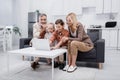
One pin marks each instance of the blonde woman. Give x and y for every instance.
(78, 40)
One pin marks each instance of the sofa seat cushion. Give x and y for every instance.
(25, 46)
(89, 54)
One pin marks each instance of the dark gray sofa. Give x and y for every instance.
(96, 55)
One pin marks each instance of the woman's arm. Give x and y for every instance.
(80, 34)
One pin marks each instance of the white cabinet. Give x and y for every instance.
(115, 6)
(99, 6)
(107, 6)
(110, 36)
(88, 3)
(63, 7)
(111, 6)
(113, 38)
(119, 40)
(72, 6)
(106, 36)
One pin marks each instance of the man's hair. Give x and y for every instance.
(59, 21)
(43, 14)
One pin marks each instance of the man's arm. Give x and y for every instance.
(36, 31)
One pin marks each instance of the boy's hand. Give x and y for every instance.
(64, 39)
(53, 48)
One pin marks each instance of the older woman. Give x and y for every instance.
(78, 40)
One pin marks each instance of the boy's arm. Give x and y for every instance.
(61, 41)
(58, 45)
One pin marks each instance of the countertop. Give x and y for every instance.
(105, 28)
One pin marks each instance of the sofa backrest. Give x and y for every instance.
(94, 35)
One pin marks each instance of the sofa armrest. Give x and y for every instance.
(100, 50)
(24, 41)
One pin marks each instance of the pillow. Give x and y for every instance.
(93, 36)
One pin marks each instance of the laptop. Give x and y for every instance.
(41, 44)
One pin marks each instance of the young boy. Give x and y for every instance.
(50, 29)
(59, 33)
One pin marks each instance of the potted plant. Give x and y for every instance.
(16, 30)
(8, 35)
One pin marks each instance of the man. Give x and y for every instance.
(39, 30)
(40, 27)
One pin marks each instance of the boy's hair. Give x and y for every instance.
(59, 21)
(52, 25)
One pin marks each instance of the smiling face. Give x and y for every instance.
(43, 19)
(59, 27)
(50, 28)
(69, 21)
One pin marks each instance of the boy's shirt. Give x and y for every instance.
(59, 35)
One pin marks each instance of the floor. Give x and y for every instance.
(21, 70)
(111, 67)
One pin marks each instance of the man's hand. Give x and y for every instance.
(44, 26)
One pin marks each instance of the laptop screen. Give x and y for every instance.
(41, 44)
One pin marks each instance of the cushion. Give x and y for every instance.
(89, 54)
(93, 36)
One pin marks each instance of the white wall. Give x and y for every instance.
(6, 12)
(88, 17)
(43, 6)
(22, 7)
(20, 18)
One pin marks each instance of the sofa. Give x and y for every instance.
(96, 55)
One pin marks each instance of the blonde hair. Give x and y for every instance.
(74, 19)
